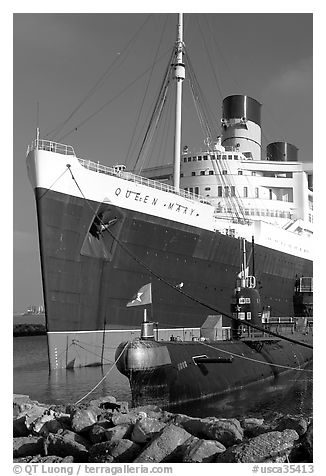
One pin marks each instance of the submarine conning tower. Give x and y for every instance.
(241, 125)
(282, 152)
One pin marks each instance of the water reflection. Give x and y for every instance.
(289, 393)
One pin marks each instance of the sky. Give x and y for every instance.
(59, 57)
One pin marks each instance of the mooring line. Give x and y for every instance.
(255, 360)
(103, 378)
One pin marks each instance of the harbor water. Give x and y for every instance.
(290, 393)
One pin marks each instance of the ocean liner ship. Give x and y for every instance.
(104, 232)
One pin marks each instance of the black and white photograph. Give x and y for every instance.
(163, 240)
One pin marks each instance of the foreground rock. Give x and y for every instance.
(165, 447)
(106, 431)
(273, 447)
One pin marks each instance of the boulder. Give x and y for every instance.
(82, 419)
(47, 423)
(19, 425)
(226, 431)
(307, 442)
(107, 402)
(153, 411)
(202, 451)
(67, 443)
(23, 422)
(129, 418)
(119, 451)
(272, 447)
(118, 432)
(22, 403)
(253, 427)
(97, 432)
(51, 459)
(165, 446)
(145, 429)
(27, 446)
(297, 423)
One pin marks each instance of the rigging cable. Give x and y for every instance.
(157, 111)
(109, 101)
(99, 82)
(146, 89)
(168, 283)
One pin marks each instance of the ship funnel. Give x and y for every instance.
(241, 123)
(282, 152)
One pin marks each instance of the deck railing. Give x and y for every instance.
(97, 167)
(51, 146)
(41, 144)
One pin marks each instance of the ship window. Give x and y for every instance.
(253, 173)
(246, 211)
(224, 157)
(239, 172)
(213, 157)
(242, 300)
(218, 157)
(235, 157)
(185, 159)
(257, 192)
(224, 172)
(202, 172)
(230, 157)
(205, 157)
(199, 157)
(193, 173)
(181, 175)
(196, 190)
(245, 192)
(219, 191)
(189, 159)
(211, 172)
(194, 159)
(207, 188)
(226, 191)
(232, 191)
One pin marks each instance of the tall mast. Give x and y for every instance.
(179, 71)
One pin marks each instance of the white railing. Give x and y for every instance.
(41, 144)
(103, 169)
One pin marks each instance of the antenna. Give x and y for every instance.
(37, 121)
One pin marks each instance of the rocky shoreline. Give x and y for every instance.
(107, 431)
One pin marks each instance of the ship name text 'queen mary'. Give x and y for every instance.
(104, 232)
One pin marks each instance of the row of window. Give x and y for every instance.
(198, 158)
(240, 172)
(259, 212)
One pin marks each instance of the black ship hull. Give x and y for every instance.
(89, 274)
(174, 373)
